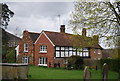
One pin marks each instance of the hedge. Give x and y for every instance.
(113, 64)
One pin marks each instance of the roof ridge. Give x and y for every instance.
(57, 32)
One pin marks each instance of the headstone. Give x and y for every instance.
(87, 74)
(105, 72)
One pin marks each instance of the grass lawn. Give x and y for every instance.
(56, 73)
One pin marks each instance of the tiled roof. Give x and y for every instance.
(65, 39)
(34, 36)
(12, 37)
(58, 38)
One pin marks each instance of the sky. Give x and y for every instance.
(38, 16)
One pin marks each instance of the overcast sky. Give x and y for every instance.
(38, 16)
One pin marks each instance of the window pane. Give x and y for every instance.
(62, 54)
(99, 51)
(62, 48)
(85, 49)
(66, 48)
(57, 54)
(57, 48)
(43, 48)
(84, 54)
(70, 53)
(74, 53)
(87, 53)
(80, 53)
(70, 48)
(66, 53)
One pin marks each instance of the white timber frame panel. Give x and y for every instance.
(64, 51)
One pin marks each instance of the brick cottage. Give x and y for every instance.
(52, 48)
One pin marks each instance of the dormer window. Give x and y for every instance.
(43, 49)
(25, 47)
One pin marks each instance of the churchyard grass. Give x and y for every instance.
(36, 72)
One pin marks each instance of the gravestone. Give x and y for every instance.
(87, 74)
(105, 72)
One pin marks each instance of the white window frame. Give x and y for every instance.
(42, 61)
(57, 53)
(25, 59)
(43, 49)
(25, 47)
(99, 51)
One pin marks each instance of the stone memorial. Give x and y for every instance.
(87, 74)
(105, 72)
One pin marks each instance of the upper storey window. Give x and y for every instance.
(43, 49)
(25, 47)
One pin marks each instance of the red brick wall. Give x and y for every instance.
(26, 39)
(43, 40)
(94, 54)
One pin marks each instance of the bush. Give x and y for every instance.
(11, 55)
(113, 64)
(75, 62)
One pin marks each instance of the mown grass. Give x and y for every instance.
(55, 73)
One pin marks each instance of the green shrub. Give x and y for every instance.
(75, 62)
(113, 64)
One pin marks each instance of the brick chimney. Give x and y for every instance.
(84, 32)
(62, 28)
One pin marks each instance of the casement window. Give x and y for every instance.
(62, 54)
(42, 61)
(25, 47)
(66, 53)
(81, 54)
(70, 53)
(57, 48)
(43, 49)
(99, 51)
(57, 54)
(25, 59)
(70, 48)
(62, 48)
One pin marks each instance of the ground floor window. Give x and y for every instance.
(25, 59)
(42, 61)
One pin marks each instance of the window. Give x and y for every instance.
(57, 54)
(25, 59)
(62, 48)
(70, 53)
(81, 54)
(99, 51)
(57, 48)
(43, 49)
(66, 53)
(25, 47)
(62, 54)
(42, 61)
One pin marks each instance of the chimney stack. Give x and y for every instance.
(62, 28)
(84, 32)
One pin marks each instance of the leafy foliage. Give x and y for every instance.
(75, 62)
(101, 18)
(113, 64)
(11, 55)
(5, 15)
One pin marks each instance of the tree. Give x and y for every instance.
(5, 15)
(101, 18)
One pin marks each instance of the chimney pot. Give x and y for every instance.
(62, 28)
